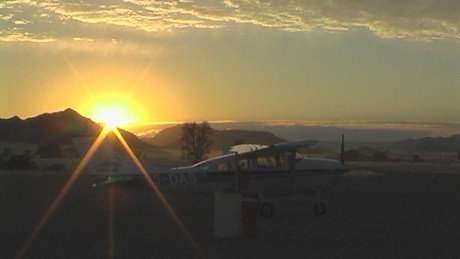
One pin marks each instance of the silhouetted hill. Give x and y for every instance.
(49, 127)
(429, 144)
(58, 127)
(170, 138)
(132, 140)
(167, 137)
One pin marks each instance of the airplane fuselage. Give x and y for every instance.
(306, 177)
(249, 169)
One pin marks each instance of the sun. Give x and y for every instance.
(112, 117)
(112, 111)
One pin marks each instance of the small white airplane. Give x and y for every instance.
(254, 170)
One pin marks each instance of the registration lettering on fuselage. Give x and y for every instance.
(174, 178)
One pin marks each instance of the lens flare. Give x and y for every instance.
(74, 176)
(113, 110)
(112, 118)
(157, 191)
(62, 193)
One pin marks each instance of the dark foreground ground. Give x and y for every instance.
(371, 214)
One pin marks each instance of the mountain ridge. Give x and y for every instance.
(429, 144)
(60, 127)
(170, 138)
(55, 127)
(47, 127)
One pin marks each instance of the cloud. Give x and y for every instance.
(56, 19)
(419, 19)
(353, 130)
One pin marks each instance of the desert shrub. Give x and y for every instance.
(379, 156)
(49, 150)
(417, 159)
(55, 167)
(19, 162)
(355, 155)
(6, 152)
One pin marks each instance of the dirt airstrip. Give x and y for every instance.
(373, 213)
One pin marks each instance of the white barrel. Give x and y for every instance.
(227, 214)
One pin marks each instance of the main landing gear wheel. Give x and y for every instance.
(266, 210)
(320, 208)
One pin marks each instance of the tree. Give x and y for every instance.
(50, 150)
(417, 159)
(379, 156)
(195, 141)
(6, 152)
(19, 162)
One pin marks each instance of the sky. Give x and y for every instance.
(240, 60)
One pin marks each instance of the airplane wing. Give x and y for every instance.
(248, 149)
(243, 148)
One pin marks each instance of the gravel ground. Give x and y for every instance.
(371, 214)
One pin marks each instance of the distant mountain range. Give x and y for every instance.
(170, 138)
(60, 127)
(429, 144)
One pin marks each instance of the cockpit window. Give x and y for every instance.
(243, 165)
(204, 167)
(266, 162)
(224, 166)
(262, 162)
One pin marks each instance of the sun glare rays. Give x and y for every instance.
(110, 97)
(65, 189)
(111, 199)
(112, 117)
(157, 191)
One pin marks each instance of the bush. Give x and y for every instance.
(379, 156)
(355, 155)
(417, 159)
(19, 162)
(55, 167)
(50, 150)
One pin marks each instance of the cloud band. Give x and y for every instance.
(45, 21)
